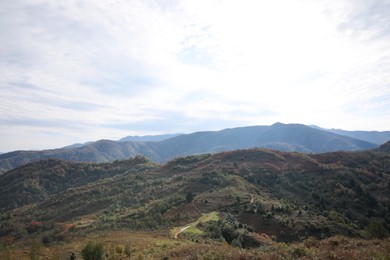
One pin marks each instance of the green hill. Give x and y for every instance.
(287, 196)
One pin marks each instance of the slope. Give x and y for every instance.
(99, 151)
(37, 181)
(286, 195)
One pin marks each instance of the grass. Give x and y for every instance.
(157, 245)
(206, 217)
(194, 230)
(191, 227)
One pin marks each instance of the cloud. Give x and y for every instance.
(106, 69)
(365, 20)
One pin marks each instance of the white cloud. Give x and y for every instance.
(104, 69)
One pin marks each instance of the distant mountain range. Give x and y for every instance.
(374, 137)
(283, 137)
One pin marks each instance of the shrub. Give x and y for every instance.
(5, 252)
(213, 230)
(311, 242)
(35, 250)
(237, 243)
(119, 249)
(127, 249)
(298, 252)
(376, 230)
(93, 251)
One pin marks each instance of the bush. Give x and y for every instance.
(36, 250)
(93, 251)
(376, 230)
(119, 249)
(127, 249)
(311, 242)
(214, 231)
(298, 252)
(5, 252)
(237, 243)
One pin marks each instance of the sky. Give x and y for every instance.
(73, 71)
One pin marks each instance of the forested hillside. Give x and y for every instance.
(287, 195)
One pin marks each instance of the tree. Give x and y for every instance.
(189, 197)
(237, 243)
(93, 251)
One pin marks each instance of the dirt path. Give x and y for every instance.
(181, 230)
(204, 218)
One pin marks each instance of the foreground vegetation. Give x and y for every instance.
(158, 245)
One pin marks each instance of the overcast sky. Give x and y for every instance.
(81, 70)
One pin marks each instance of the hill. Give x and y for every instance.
(283, 195)
(99, 151)
(283, 137)
(385, 147)
(35, 182)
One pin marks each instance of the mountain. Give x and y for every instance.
(148, 138)
(77, 145)
(375, 137)
(283, 137)
(99, 151)
(288, 196)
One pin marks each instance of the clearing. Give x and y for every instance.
(191, 227)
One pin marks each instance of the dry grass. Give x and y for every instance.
(158, 245)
